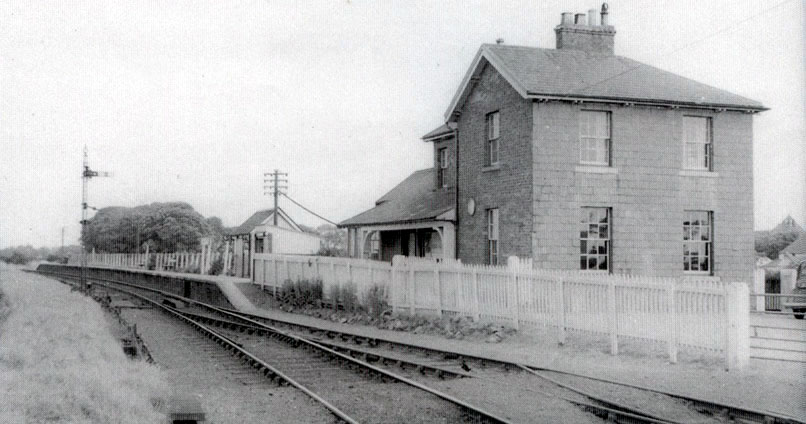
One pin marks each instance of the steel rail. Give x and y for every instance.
(725, 410)
(359, 354)
(272, 373)
(468, 408)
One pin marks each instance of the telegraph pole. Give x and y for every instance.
(86, 175)
(275, 187)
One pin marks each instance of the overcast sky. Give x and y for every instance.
(194, 100)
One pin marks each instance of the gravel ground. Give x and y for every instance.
(228, 391)
(513, 400)
(366, 399)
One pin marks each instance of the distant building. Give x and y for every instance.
(581, 160)
(258, 234)
(796, 251)
(788, 225)
(762, 261)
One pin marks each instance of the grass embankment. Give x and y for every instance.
(60, 363)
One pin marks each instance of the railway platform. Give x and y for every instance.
(763, 385)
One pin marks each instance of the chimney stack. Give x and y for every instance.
(567, 18)
(583, 33)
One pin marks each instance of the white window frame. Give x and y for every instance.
(595, 234)
(442, 155)
(260, 246)
(594, 143)
(698, 242)
(492, 236)
(698, 151)
(493, 130)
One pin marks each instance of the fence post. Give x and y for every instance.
(371, 276)
(759, 288)
(476, 314)
(411, 287)
(737, 305)
(335, 279)
(439, 289)
(393, 283)
(513, 264)
(671, 299)
(611, 316)
(560, 311)
(276, 277)
(263, 277)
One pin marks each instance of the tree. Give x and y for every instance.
(334, 240)
(771, 244)
(164, 227)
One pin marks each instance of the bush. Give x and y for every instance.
(192, 269)
(376, 302)
(348, 297)
(217, 266)
(18, 258)
(331, 251)
(334, 297)
(152, 262)
(301, 293)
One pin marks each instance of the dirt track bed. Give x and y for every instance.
(228, 391)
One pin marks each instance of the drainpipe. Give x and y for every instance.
(456, 194)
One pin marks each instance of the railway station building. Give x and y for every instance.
(581, 160)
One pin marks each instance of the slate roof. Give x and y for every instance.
(442, 131)
(797, 247)
(559, 73)
(414, 199)
(252, 222)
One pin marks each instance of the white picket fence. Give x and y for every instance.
(693, 314)
(180, 262)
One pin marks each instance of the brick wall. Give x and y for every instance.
(508, 187)
(648, 195)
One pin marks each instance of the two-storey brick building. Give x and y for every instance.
(584, 160)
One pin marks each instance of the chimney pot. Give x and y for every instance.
(586, 32)
(592, 17)
(499, 41)
(604, 14)
(567, 18)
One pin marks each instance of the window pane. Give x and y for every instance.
(603, 263)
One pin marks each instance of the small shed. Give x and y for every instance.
(258, 235)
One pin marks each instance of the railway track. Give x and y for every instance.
(650, 406)
(352, 390)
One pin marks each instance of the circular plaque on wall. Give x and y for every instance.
(471, 206)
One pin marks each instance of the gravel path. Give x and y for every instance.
(228, 391)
